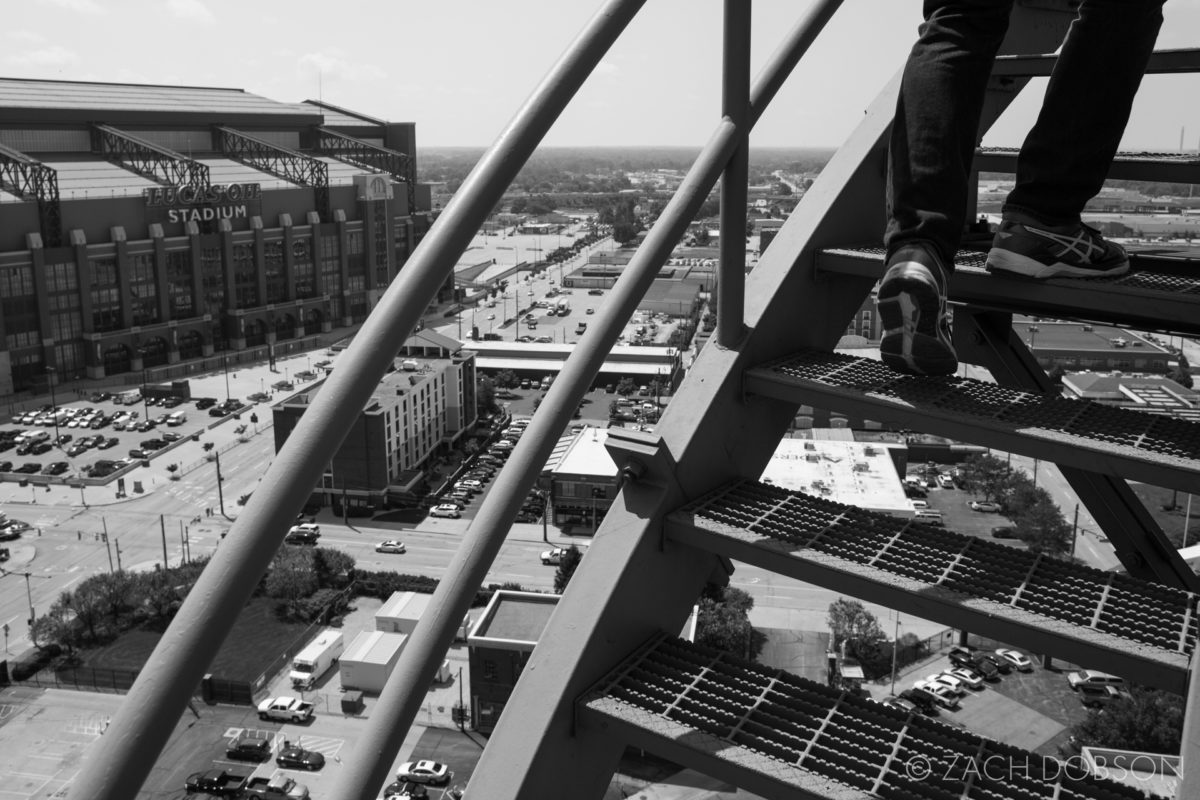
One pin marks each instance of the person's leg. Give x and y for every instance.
(1067, 154)
(932, 145)
(936, 128)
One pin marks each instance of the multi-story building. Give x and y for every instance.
(157, 226)
(416, 412)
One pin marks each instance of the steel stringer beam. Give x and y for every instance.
(987, 338)
(30, 179)
(147, 158)
(281, 162)
(364, 154)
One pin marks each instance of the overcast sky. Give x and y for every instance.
(460, 69)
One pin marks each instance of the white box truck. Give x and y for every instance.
(316, 658)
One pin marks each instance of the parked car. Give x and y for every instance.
(922, 699)
(29, 468)
(295, 757)
(216, 781)
(968, 676)
(1019, 660)
(981, 505)
(955, 686)
(111, 441)
(1005, 532)
(424, 771)
(1091, 677)
(390, 546)
(900, 704)
(205, 402)
(1100, 696)
(946, 698)
(448, 510)
(56, 468)
(249, 748)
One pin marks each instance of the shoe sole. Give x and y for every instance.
(906, 300)
(1001, 260)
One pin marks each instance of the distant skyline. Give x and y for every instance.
(460, 69)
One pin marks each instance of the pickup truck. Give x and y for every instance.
(217, 781)
(291, 709)
(280, 787)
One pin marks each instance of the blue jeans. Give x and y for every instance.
(1067, 154)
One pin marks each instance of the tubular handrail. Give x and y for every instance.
(118, 764)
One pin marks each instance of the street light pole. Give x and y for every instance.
(50, 374)
(220, 492)
(225, 365)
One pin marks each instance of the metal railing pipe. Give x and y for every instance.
(787, 55)
(735, 106)
(118, 764)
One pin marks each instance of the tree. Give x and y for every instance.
(485, 395)
(566, 568)
(988, 476)
(1148, 720)
(849, 621)
(292, 578)
(157, 589)
(724, 622)
(333, 568)
(626, 387)
(1043, 526)
(507, 379)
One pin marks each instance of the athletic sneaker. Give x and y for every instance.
(912, 309)
(1027, 247)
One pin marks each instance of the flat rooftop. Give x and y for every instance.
(514, 618)
(855, 473)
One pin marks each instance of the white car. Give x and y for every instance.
(445, 510)
(1019, 660)
(390, 546)
(949, 681)
(469, 483)
(424, 771)
(551, 558)
(945, 696)
(980, 505)
(969, 677)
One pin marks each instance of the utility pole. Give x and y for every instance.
(220, 493)
(117, 543)
(462, 710)
(162, 524)
(1075, 530)
(107, 546)
(29, 595)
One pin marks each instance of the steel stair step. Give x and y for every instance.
(1141, 630)
(1160, 293)
(1162, 167)
(781, 736)
(1153, 448)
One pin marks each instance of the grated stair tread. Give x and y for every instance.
(783, 736)
(1135, 166)
(1157, 449)
(1161, 292)
(1143, 630)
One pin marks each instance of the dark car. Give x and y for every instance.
(56, 468)
(111, 441)
(153, 444)
(6, 466)
(218, 782)
(29, 468)
(293, 757)
(205, 402)
(401, 789)
(172, 402)
(39, 448)
(249, 748)
(139, 454)
(980, 662)
(926, 701)
(100, 397)
(170, 436)
(1005, 532)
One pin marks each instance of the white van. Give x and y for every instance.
(176, 419)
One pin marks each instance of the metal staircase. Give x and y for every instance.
(606, 675)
